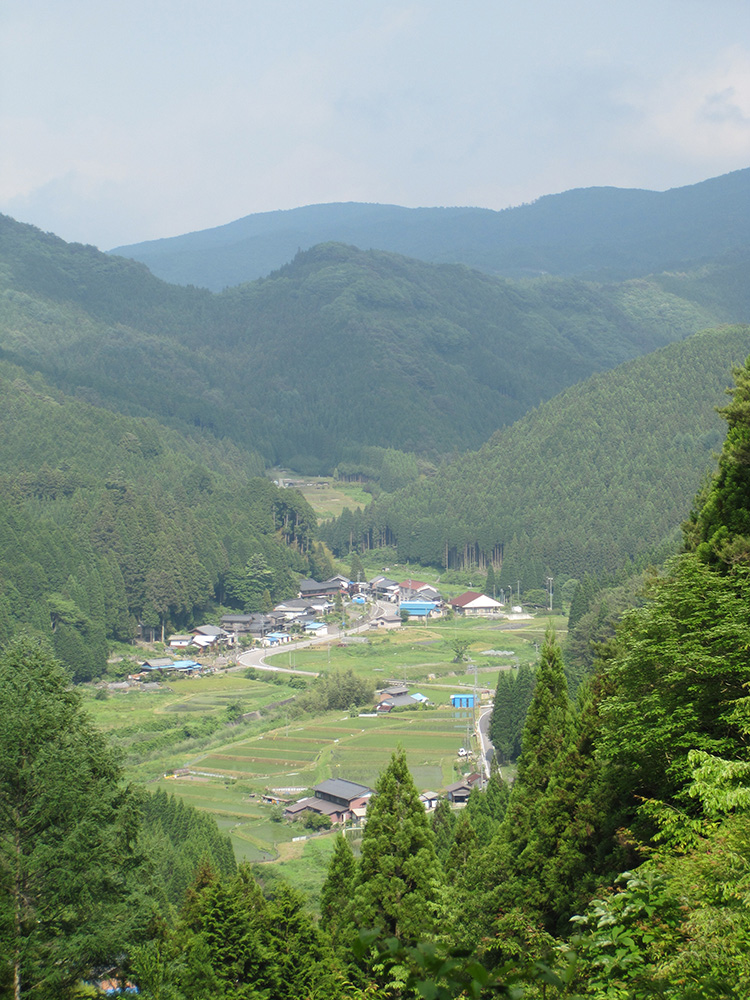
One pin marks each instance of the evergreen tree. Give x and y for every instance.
(502, 720)
(545, 733)
(336, 891)
(720, 532)
(398, 876)
(523, 692)
(66, 827)
(490, 584)
(443, 824)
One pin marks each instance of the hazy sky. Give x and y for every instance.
(126, 121)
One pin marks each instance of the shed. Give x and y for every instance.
(462, 700)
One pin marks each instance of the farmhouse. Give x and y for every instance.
(336, 798)
(473, 603)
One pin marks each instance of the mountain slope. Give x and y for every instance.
(339, 350)
(589, 481)
(600, 232)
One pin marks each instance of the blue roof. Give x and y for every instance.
(184, 665)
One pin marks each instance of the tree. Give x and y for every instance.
(720, 531)
(460, 647)
(545, 734)
(66, 830)
(398, 877)
(336, 891)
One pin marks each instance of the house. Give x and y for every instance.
(180, 641)
(255, 625)
(385, 589)
(386, 621)
(184, 666)
(316, 628)
(297, 606)
(209, 635)
(429, 800)
(329, 588)
(336, 798)
(275, 639)
(458, 792)
(473, 603)
(430, 594)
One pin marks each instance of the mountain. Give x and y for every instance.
(108, 520)
(604, 233)
(339, 351)
(589, 482)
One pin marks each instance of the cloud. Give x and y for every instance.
(701, 116)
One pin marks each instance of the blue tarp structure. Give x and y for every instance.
(417, 609)
(462, 700)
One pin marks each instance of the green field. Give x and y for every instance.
(224, 769)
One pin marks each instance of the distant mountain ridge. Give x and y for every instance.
(603, 233)
(339, 351)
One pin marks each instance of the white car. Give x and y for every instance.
(463, 752)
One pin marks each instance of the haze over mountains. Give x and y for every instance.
(603, 233)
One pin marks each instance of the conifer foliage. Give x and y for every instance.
(398, 876)
(67, 827)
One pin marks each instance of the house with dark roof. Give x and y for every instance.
(335, 798)
(256, 625)
(384, 588)
(336, 585)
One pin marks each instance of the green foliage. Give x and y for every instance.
(67, 828)
(680, 666)
(338, 689)
(720, 532)
(642, 437)
(86, 552)
(398, 875)
(511, 703)
(336, 892)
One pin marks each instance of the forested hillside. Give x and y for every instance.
(590, 482)
(601, 232)
(339, 351)
(107, 521)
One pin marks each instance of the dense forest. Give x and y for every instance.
(340, 350)
(591, 482)
(605, 233)
(108, 522)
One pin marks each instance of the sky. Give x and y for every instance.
(122, 122)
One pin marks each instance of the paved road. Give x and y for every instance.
(257, 657)
(483, 736)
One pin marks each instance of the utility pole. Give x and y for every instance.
(549, 588)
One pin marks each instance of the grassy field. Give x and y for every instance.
(421, 655)
(327, 496)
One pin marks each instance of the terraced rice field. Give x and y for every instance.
(357, 749)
